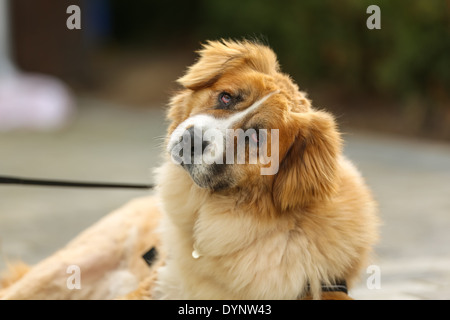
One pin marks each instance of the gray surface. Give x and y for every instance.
(409, 178)
(103, 143)
(411, 182)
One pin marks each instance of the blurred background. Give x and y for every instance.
(89, 104)
(396, 78)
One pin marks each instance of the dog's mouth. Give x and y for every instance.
(212, 177)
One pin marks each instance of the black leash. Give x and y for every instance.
(70, 184)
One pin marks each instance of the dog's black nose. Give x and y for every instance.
(193, 145)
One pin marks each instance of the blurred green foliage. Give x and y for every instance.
(319, 42)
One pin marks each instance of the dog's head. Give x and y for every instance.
(239, 124)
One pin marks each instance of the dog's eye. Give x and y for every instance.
(258, 136)
(225, 100)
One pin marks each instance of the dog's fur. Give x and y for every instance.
(279, 236)
(108, 255)
(262, 237)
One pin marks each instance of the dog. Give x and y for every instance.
(255, 199)
(231, 232)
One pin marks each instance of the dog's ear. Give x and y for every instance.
(216, 57)
(307, 172)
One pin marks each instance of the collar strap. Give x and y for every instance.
(150, 256)
(340, 286)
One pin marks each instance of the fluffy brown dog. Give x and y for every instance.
(232, 232)
(238, 221)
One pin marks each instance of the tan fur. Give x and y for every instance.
(16, 270)
(109, 255)
(279, 236)
(266, 237)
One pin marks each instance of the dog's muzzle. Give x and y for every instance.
(193, 147)
(201, 154)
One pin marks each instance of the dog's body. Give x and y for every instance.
(247, 254)
(279, 236)
(230, 232)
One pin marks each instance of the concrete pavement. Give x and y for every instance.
(411, 182)
(409, 178)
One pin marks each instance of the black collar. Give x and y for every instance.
(340, 286)
(150, 256)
